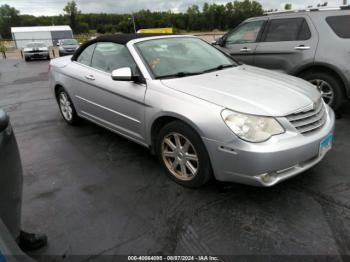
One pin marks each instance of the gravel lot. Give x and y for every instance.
(95, 193)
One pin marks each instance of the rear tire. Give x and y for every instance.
(329, 86)
(66, 107)
(183, 155)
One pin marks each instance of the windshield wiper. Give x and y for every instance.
(183, 74)
(179, 74)
(220, 67)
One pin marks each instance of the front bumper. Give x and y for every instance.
(268, 163)
(65, 52)
(44, 54)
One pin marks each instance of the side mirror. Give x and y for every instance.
(122, 74)
(220, 41)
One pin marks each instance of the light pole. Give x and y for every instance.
(133, 21)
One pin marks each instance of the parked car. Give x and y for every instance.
(67, 46)
(10, 193)
(202, 113)
(36, 50)
(313, 45)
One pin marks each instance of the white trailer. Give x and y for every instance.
(49, 35)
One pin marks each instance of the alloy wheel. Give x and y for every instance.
(180, 156)
(65, 106)
(325, 89)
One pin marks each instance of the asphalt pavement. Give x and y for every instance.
(96, 194)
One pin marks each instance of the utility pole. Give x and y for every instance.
(345, 2)
(133, 21)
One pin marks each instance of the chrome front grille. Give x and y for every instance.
(310, 120)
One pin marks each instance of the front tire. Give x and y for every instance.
(329, 86)
(66, 107)
(183, 155)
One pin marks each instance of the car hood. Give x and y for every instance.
(249, 90)
(26, 49)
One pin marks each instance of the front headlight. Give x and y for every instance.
(251, 128)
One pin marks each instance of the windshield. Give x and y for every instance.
(31, 45)
(178, 57)
(70, 42)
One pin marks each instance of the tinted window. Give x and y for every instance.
(246, 33)
(110, 56)
(291, 29)
(86, 55)
(340, 25)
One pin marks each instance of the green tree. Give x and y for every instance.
(82, 27)
(71, 10)
(9, 17)
(193, 18)
(288, 6)
(210, 16)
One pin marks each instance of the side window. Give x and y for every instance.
(340, 25)
(86, 55)
(109, 56)
(246, 33)
(289, 29)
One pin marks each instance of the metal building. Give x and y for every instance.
(46, 34)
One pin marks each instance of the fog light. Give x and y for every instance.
(268, 178)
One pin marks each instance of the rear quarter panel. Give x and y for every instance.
(58, 73)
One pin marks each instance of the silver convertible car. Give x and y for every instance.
(201, 112)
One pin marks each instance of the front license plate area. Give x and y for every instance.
(326, 145)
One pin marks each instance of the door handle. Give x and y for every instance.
(245, 49)
(302, 47)
(90, 77)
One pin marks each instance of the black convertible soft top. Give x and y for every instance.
(121, 39)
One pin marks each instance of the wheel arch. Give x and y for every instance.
(323, 67)
(161, 120)
(56, 88)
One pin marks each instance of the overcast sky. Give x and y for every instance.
(54, 7)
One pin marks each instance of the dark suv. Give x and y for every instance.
(311, 44)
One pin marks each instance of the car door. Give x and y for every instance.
(287, 44)
(116, 105)
(242, 42)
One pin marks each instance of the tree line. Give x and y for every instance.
(209, 17)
